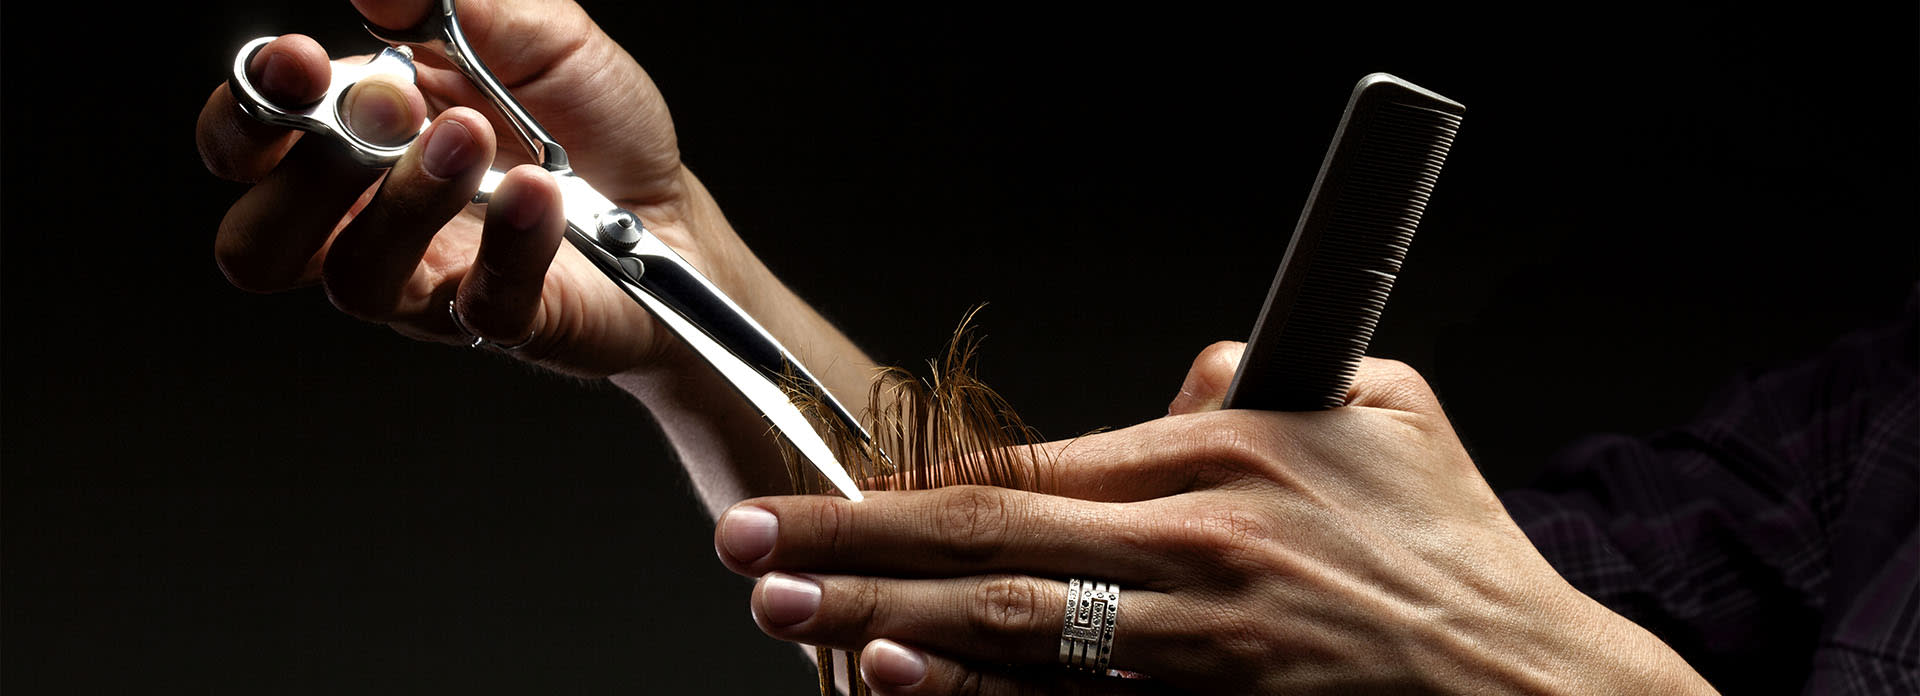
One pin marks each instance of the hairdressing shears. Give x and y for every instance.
(615, 240)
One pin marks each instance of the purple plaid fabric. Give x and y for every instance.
(1773, 542)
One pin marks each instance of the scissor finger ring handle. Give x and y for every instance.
(327, 116)
(438, 32)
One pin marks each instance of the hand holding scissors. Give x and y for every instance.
(412, 255)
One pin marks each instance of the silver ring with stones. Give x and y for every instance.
(1086, 635)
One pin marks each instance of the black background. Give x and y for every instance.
(208, 491)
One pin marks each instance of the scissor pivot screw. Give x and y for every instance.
(619, 230)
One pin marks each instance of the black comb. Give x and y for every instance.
(1338, 270)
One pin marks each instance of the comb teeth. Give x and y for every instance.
(1348, 249)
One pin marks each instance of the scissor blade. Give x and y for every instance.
(768, 398)
(750, 380)
(689, 305)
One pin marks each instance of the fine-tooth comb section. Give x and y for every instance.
(1346, 251)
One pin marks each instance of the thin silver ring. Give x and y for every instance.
(1086, 634)
(478, 340)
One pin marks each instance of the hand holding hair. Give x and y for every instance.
(1256, 552)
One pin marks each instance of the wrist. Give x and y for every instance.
(1575, 645)
(722, 444)
(1620, 656)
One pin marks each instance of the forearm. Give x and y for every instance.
(722, 442)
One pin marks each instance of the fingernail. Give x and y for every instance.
(747, 533)
(788, 599)
(450, 150)
(886, 663)
(377, 112)
(524, 208)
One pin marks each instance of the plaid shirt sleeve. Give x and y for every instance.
(1773, 542)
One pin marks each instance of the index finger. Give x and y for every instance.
(293, 69)
(1119, 466)
(961, 530)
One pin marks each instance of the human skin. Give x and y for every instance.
(396, 249)
(1259, 552)
(1355, 549)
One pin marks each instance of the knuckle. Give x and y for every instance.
(1392, 384)
(368, 288)
(1007, 605)
(410, 199)
(242, 275)
(214, 134)
(218, 165)
(832, 525)
(1242, 644)
(975, 520)
(1239, 542)
(868, 612)
(495, 312)
(1401, 377)
(233, 253)
(1227, 443)
(971, 683)
(1393, 369)
(1228, 542)
(353, 297)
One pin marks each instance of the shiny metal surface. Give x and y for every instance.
(743, 352)
(1086, 634)
(439, 32)
(619, 230)
(693, 308)
(459, 322)
(326, 116)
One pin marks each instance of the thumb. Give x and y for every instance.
(1205, 388)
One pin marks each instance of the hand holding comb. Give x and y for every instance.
(1347, 249)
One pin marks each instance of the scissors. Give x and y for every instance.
(615, 240)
